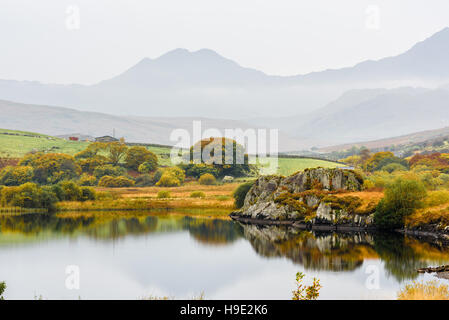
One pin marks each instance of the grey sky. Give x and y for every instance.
(281, 37)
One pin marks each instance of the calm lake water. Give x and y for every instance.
(126, 255)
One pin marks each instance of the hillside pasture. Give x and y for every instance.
(289, 165)
(15, 144)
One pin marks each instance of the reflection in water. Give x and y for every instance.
(114, 225)
(331, 251)
(318, 250)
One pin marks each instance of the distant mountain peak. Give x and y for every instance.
(180, 66)
(182, 53)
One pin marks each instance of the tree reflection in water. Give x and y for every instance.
(401, 256)
(318, 250)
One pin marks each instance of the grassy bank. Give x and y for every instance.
(216, 200)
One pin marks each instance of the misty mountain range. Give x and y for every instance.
(371, 100)
(59, 121)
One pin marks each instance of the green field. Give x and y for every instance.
(15, 144)
(287, 166)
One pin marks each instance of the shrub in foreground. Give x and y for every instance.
(2, 290)
(402, 198)
(303, 292)
(197, 194)
(163, 194)
(207, 179)
(430, 290)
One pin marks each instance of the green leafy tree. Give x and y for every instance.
(402, 198)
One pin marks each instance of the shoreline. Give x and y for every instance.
(427, 235)
(301, 225)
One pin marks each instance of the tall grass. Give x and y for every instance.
(431, 290)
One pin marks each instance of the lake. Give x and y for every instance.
(134, 255)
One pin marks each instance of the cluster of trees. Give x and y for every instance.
(431, 169)
(39, 179)
(110, 161)
(379, 161)
(31, 195)
(405, 182)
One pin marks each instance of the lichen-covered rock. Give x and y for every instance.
(306, 197)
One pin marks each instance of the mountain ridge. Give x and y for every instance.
(203, 83)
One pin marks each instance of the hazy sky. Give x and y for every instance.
(43, 40)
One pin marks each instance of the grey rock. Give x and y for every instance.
(260, 201)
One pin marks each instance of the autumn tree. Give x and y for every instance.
(135, 156)
(116, 152)
(52, 167)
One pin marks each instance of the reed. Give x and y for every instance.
(18, 210)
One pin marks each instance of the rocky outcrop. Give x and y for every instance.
(314, 197)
